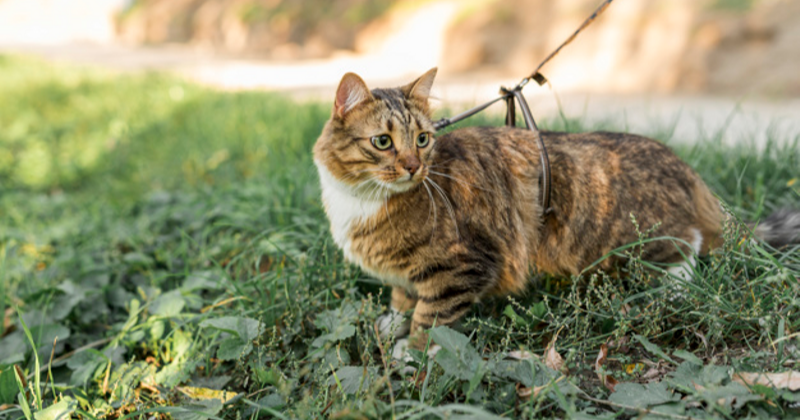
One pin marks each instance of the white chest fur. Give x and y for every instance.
(345, 208)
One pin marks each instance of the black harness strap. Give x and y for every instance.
(515, 94)
(530, 123)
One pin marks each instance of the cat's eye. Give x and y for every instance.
(423, 139)
(382, 142)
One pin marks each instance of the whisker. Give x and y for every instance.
(440, 164)
(448, 204)
(433, 206)
(459, 180)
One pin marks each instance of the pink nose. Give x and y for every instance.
(411, 167)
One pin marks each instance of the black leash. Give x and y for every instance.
(515, 94)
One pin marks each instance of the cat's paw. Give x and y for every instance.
(393, 322)
(400, 352)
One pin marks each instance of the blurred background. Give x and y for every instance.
(683, 71)
(715, 47)
(652, 58)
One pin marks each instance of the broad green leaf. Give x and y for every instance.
(8, 386)
(643, 396)
(45, 334)
(457, 356)
(168, 304)
(233, 348)
(652, 348)
(340, 333)
(354, 378)
(689, 357)
(63, 304)
(201, 280)
(12, 348)
(181, 344)
(453, 365)
(59, 411)
(85, 365)
(330, 320)
(244, 328)
(539, 312)
(732, 395)
(450, 339)
(336, 357)
(126, 378)
(175, 373)
(512, 315)
(685, 376)
(137, 258)
(714, 375)
(198, 410)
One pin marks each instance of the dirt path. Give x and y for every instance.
(689, 118)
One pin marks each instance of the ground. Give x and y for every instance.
(164, 251)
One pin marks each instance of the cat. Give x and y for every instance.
(447, 220)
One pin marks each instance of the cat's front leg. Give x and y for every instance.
(437, 310)
(395, 322)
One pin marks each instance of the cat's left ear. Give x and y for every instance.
(421, 88)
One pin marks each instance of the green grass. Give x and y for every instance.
(173, 234)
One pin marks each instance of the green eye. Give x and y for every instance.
(382, 142)
(423, 140)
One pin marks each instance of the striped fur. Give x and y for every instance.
(467, 222)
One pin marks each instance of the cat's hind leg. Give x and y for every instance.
(683, 270)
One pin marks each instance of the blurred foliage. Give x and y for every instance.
(735, 5)
(312, 12)
(75, 129)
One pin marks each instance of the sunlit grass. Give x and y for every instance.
(167, 222)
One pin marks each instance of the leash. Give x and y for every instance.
(515, 94)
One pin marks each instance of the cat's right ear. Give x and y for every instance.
(351, 92)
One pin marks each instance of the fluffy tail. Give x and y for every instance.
(780, 229)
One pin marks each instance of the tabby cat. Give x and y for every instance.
(447, 220)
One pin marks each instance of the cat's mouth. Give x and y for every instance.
(407, 182)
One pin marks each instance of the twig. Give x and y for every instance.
(637, 409)
(69, 354)
(254, 393)
(326, 408)
(385, 364)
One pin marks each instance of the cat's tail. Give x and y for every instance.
(780, 229)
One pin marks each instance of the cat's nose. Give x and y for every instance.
(411, 167)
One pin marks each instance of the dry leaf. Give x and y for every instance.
(607, 380)
(207, 394)
(521, 355)
(552, 359)
(525, 393)
(652, 374)
(8, 325)
(786, 380)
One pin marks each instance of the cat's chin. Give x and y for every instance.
(402, 186)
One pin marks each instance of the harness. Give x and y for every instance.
(509, 96)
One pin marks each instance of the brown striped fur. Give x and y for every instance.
(469, 224)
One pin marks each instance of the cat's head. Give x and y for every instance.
(379, 138)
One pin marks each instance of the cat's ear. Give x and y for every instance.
(351, 92)
(421, 88)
